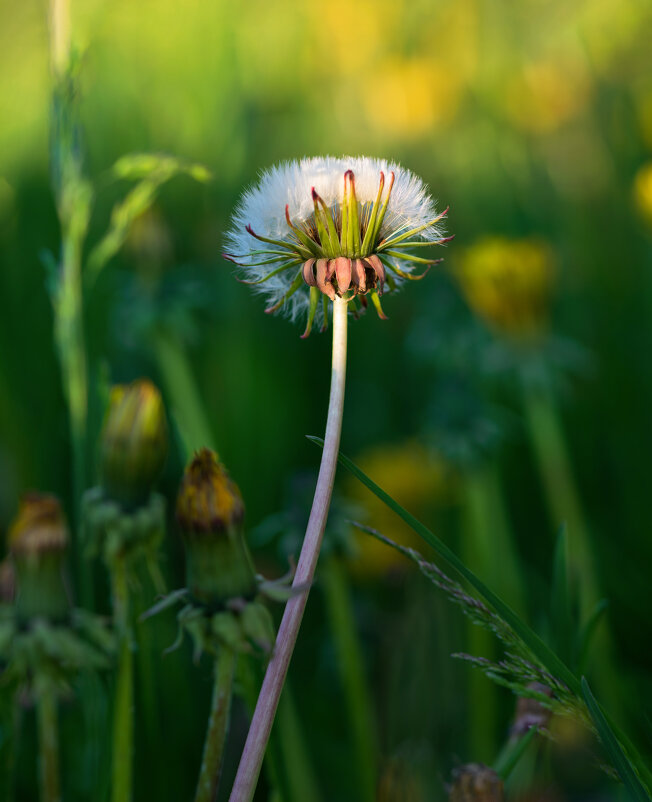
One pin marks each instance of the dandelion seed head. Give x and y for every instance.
(342, 226)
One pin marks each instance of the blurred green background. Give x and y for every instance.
(531, 119)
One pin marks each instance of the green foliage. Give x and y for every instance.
(528, 658)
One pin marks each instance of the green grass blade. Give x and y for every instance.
(617, 756)
(508, 759)
(586, 635)
(539, 649)
(560, 601)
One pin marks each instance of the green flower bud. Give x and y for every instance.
(38, 539)
(476, 783)
(134, 443)
(210, 513)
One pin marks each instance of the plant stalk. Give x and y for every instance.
(263, 718)
(561, 493)
(181, 387)
(351, 664)
(123, 718)
(218, 722)
(46, 711)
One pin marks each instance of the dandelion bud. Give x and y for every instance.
(37, 540)
(134, 443)
(476, 783)
(210, 513)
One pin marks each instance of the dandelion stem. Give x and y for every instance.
(261, 725)
(48, 744)
(218, 723)
(123, 724)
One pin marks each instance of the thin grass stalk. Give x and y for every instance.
(123, 711)
(562, 497)
(218, 723)
(339, 609)
(73, 209)
(146, 660)
(261, 725)
(48, 743)
(489, 550)
(181, 390)
(300, 777)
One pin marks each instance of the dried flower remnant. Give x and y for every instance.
(335, 227)
(508, 284)
(210, 513)
(476, 783)
(38, 540)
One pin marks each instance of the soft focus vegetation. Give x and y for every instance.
(533, 120)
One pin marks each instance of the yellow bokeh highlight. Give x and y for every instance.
(417, 480)
(543, 95)
(508, 284)
(643, 191)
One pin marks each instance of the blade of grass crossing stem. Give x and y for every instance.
(619, 759)
(542, 652)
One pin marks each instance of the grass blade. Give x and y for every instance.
(542, 652)
(617, 755)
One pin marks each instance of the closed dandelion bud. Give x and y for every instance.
(134, 443)
(210, 513)
(38, 539)
(476, 783)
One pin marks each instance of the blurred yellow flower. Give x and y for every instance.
(643, 191)
(409, 97)
(410, 474)
(546, 94)
(508, 284)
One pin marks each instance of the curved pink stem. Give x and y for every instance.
(263, 718)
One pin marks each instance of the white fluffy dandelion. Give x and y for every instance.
(332, 227)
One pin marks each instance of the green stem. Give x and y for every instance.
(123, 721)
(301, 781)
(489, 551)
(350, 661)
(46, 710)
(218, 723)
(181, 390)
(562, 497)
(261, 724)
(73, 195)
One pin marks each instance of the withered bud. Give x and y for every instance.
(39, 526)
(210, 513)
(7, 580)
(476, 782)
(37, 540)
(134, 442)
(209, 502)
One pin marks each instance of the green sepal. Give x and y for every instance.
(258, 626)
